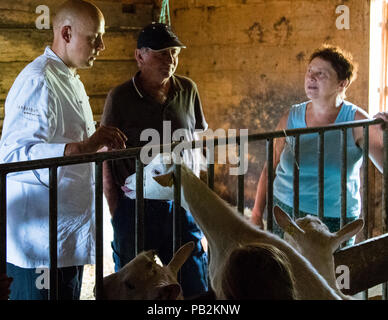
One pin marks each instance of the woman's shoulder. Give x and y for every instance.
(298, 109)
(294, 116)
(359, 113)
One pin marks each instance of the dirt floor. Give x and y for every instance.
(88, 281)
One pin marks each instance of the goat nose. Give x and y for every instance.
(125, 189)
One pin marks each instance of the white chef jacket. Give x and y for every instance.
(46, 108)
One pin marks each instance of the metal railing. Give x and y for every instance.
(98, 158)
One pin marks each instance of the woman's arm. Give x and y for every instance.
(261, 193)
(376, 146)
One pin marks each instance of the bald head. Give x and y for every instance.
(78, 29)
(75, 13)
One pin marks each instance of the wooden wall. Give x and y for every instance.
(249, 57)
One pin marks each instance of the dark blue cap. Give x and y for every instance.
(158, 36)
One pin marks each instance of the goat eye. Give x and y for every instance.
(155, 171)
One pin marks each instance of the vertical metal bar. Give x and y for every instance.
(270, 177)
(240, 181)
(210, 175)
(139, 224)
(321, 173)
(210, 183)
(3, 222)
(385, 197)
(210, 164)
(344, 139)
(177, 230)
(365, 189)
(296, 177)
(99, 231)
(53, 232)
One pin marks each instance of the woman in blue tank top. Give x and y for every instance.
(329, 74)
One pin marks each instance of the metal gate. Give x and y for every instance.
(53, 163)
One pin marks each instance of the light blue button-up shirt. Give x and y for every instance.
(46, 108)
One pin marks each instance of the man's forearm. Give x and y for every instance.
(110, 189)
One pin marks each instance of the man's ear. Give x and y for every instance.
(66, 33)
(165, 180)
(139, 57)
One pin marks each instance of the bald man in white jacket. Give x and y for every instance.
(47, 114)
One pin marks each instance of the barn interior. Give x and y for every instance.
(247, 57)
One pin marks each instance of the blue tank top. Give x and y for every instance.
(308, 173)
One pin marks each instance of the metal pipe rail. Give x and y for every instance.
(98, 158)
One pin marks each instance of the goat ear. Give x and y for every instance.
(165, 180)
(286, 223)
(348, 231)
(180, 257)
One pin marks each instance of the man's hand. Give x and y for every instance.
(109, 137)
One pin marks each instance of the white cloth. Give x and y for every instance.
(46, 108)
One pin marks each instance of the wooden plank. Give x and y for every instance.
(97, 103)
(8, 73)
(97, 80)
(23, 44)
(367, 262)
(126, 14)
(27, 44)
(22, 13)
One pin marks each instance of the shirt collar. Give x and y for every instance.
(62, 67)
(135, 86)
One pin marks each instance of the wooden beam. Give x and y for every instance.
(22, 13)
(21, 45)
(367, 262)
(98, 80)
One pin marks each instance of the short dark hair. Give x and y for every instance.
(341, 61)
(259, 272)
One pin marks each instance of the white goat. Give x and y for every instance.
(145, 277)
(312, 238)
(224, 228)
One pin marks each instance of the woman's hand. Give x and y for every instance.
(257, 218)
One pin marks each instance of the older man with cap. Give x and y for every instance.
(153, 98)
(47, 114)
